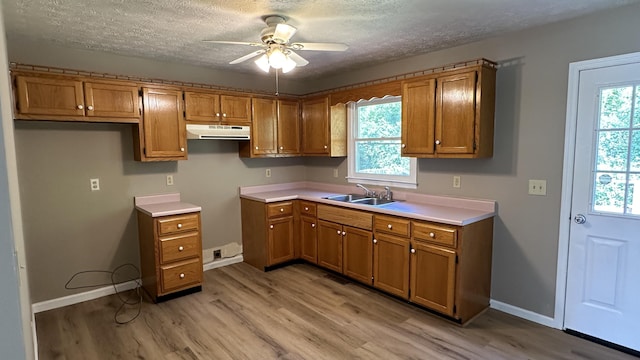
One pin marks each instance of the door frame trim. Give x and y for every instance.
(567, 170)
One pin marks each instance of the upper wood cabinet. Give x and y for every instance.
(214, 108)
(450, 114)
(69, 99)
(324, 128)
(163, 132)
(275, 129)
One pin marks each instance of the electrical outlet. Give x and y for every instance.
(95, 184)
(456, 181)
(169, 180)
(538, 187)
(335, 173)
(267, 173)
(217, 254)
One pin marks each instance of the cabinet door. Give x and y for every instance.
(111, 100)
(47, 96)
(357, 251)
(433, 274)
(280, 240)
(315, 127)
(418, 117)
(202, 107)
(309, 240)
(236, 110)
(288, 127)
(164, 127)
(330, 245)
(264, 129)
(456, 110)
(391, 264)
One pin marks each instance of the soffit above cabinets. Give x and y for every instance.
(375, 31)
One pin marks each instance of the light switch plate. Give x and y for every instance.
(456, 181)
(538, 187)
(267, 173)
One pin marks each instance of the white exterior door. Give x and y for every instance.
(603, 274)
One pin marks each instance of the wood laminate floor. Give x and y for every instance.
(296, 312)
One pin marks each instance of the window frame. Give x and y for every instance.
(408, 182)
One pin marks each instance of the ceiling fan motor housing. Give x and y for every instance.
(266, 35)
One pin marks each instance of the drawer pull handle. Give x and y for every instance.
(281, 209)
(432, 235)
(313, 225)
(180, 248)
(325, 146)
(306, 208)
(181, 275)
(390, 226)
(179, 226)
(270, 226)
(413, 251)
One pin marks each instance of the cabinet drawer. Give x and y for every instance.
(179, 247)
(180, 275)
(178, 223)
(307, 208)
(436, 234)
(280, 209)
(392, 225)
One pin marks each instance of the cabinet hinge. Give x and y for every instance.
(456, 259)
(475, 146)
(183, 98)
(477, 77)
(372, 278)
(184, 114)
(454, 309)
(140, 92)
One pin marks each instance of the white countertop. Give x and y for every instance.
(163, 205)
(441, 209)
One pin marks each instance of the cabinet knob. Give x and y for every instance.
(339, 233)
(390, 226)
(325, 146)
(181, 275)
(313, 225)
(257, 148)
(182, 149)
(179, 226)
(90, 108)
(281, 209)
(344, 233)
(375, 241)
(218, 114)
(224, 114)
(180, 248)
(413, 251)
(270, 226)
(281, 147)
(80, 107)
(437, 142)
(306, 208)
(432, 235)
(404, 146)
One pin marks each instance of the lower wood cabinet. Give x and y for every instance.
(391, 264)
(433, 275)
(170, 253)
(330, 245)
(308, 232)
(267, 233)
(357, 254)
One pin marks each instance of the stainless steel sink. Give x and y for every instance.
(346, 197)
(372, 201)
(359, 199)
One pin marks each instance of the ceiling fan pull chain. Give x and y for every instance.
(277, 92)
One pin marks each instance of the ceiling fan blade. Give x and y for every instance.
(319, 46)
(299, 60)
(247, 57)
(234, 42)
(283, 33)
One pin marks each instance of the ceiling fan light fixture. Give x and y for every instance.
(289, 65)
(263, 63)
(277, 58)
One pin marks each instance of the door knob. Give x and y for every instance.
(580, 219)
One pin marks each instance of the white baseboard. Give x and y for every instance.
(223, 262)
(109, 290)
(81, 297)
(525, 314)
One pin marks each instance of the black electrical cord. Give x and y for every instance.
(130, 300)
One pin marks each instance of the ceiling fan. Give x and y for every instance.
(276, 50)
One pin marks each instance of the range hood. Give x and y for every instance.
(218, 132)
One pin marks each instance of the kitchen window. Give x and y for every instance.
(375, 128)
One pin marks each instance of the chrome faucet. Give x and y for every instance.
(387, 195)
(367, 192)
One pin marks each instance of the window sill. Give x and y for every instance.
(376, 182)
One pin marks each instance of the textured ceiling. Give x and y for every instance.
(375, 30)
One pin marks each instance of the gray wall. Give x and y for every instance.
(529, 140)
(68, 228)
